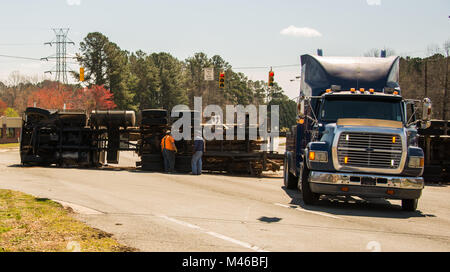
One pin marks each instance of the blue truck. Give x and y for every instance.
(355, 133)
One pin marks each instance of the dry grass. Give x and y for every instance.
(14, 145)
(40, 225)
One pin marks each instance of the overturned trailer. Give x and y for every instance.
(241, 156)
(71, 138)
(435, 141)
(78, 139)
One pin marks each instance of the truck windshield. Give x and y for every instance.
(360, 107)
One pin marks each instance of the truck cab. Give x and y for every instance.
(355, 134)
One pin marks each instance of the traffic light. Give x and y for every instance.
(271, 78)
(81, 74)
(222, 80)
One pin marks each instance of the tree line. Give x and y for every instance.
(140, 80)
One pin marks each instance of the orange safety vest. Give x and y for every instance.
(168, 143)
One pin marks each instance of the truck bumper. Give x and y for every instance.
(352, 184)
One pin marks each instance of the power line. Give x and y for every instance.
(35, 59)
(265, 67)
(61, 43)
(234, 68)
(19, 57)
(19, 44)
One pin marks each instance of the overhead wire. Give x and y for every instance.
(19, 57)
(265, 67)
(20, 44)
(234, 68)
(48, 59)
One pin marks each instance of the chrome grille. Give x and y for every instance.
(370, 150)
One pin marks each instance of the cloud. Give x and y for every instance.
(373, 2)
(73, 2)
(300, 32)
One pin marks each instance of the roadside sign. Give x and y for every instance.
(209, 73)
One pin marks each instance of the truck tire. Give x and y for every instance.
(43, 112)
(152, 162)
(35, 115)
(152, 166)
(72, 119)
(152, 158)
(183, 163)
(154, 121)
(112, 118)
(290, 181)
(154, 113)
(409, 205)
(309, 198)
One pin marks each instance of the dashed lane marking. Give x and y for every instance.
(214, 234)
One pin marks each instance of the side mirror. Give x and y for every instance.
(301, 104)
(426, 113)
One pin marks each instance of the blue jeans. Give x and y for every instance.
(196, 163)
(169, 160)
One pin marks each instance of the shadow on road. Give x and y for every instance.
(17, 165)
(351, 206)
(132, 169)
(270, 219)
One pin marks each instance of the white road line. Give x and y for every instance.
(302, 210)
(214, 234)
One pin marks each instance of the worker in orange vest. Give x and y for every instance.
(168, 149)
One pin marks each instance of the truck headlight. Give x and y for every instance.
(318, 156)
(416, 162)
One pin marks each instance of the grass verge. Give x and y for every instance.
(29, 224)
(14, 145)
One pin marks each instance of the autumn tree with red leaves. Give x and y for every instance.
(3, 107)
(95, 97)
(51, 98)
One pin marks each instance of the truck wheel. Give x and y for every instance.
(409, 205)
(183, 163)
(154, 113)
(309, 198)
(290, 181)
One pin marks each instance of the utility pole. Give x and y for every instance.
(426, 79)
(444, 110)
(61, 43)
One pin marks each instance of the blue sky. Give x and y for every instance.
(245, 33)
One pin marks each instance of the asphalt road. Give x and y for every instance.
(159, 212)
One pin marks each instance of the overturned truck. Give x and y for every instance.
(79, 139)
(70, 138)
